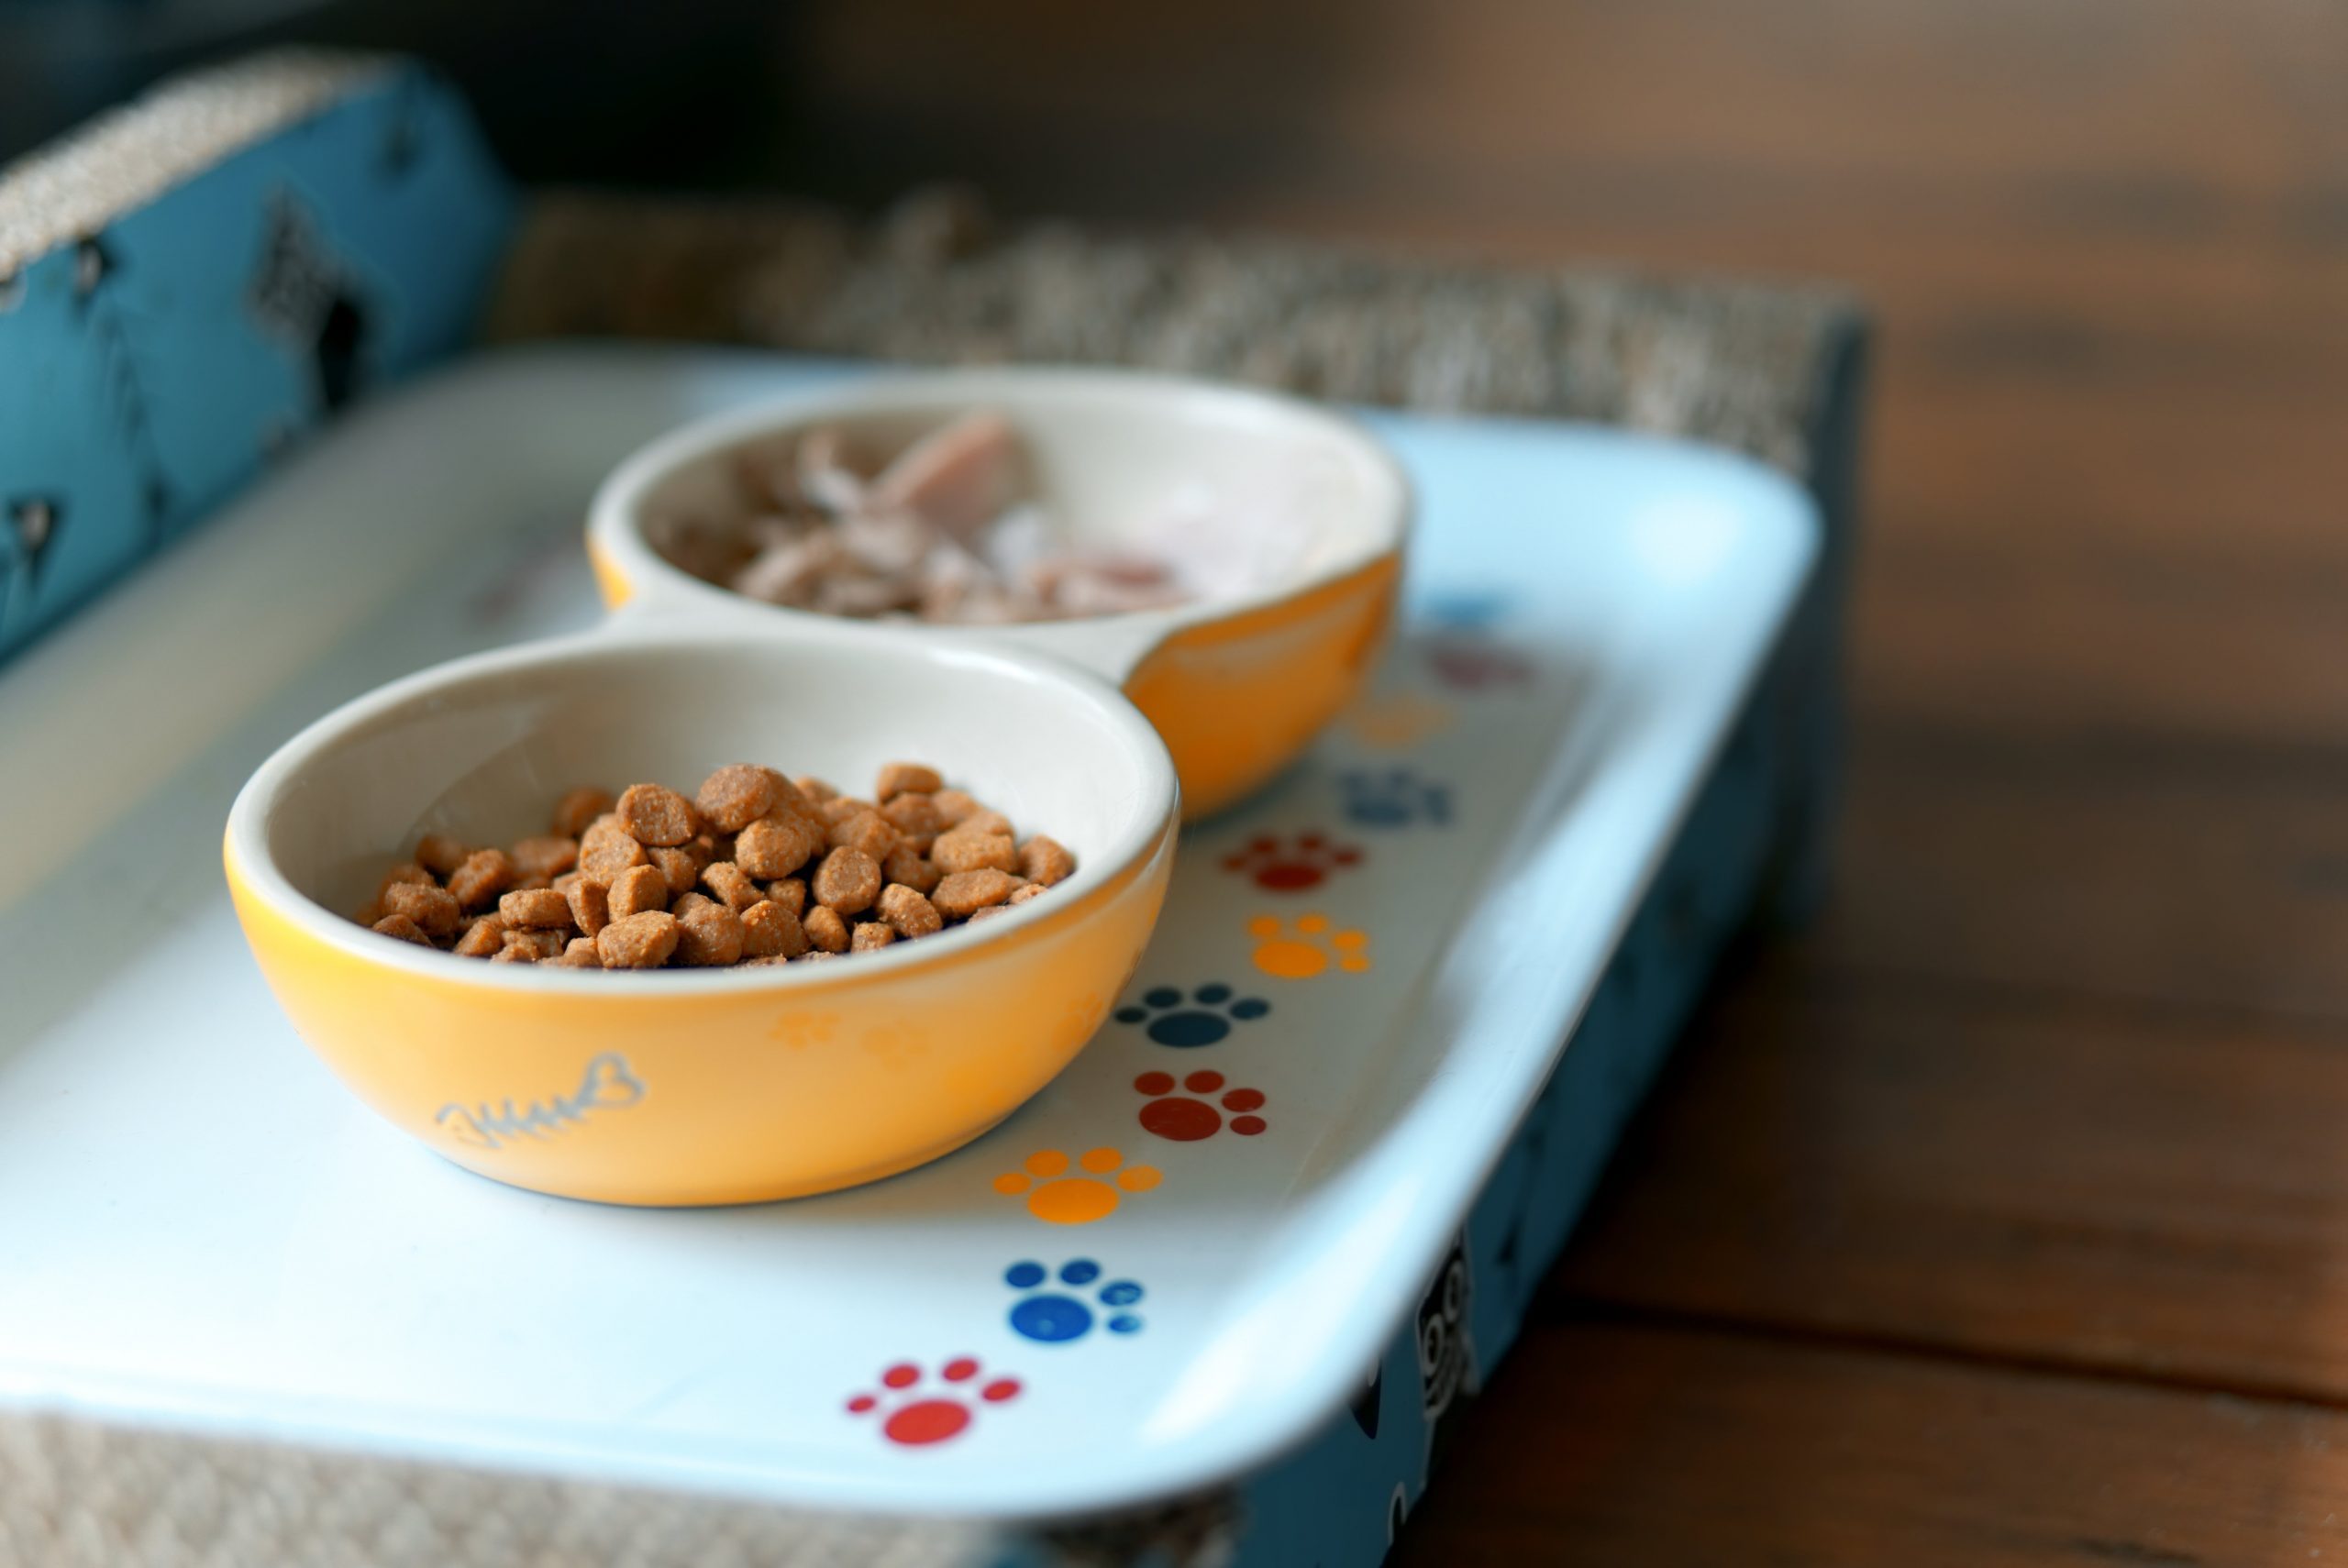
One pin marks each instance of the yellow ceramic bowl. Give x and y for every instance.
(704, 1085)
(1237, 684)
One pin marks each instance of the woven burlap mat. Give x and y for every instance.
(1758, 368)
(937, 280)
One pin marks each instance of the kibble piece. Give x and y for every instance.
(578, 808)
(545, 943)
(901, 777)
(580, 954)
(1045, 860)
(677, 868)
(791, 892)
(776, 846)
(564, 883)
(915, 818)
(866, 831)
(656, 816)
(769, 930)
(440, 853)
(740, 794)
(966, 893)
(915, 870)
(684, 903)
(766, 961)
(953, 805)
(548, 856)
(814, 953)
(603, 857)
(870, 936)
(485, 874)
(986, 914)
(840, 808)
(814, 788)
(434, 910)
(639, 942)
(483, 935)
(848, 880)
(408, 873)
(825, 931)
(709, 937)
(591, 906)
(985, 820)
(731, 885)
(538, 908)
(1022, 895)
(905, 909)
(515, 952)
(636, 892)
(403, 928)
(963, 850)
(530, 882)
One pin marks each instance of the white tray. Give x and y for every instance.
(198, 1227)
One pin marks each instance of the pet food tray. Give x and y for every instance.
(1362, 980)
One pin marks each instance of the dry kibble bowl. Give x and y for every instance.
(703, 1085)
(1237, 685)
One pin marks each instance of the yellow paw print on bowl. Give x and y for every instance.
(1055, 1194)
(1307, 948)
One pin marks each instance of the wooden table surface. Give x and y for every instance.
(2002, 1217)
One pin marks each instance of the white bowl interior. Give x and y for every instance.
(482, 750)
(1107, 452)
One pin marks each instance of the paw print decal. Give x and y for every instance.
(915, 1417)
(1466, 664)
(1392, 799)
(1055, 1317)
(1292, 865)
(1463, 609)
(1091, 1193)
(1187, 1117)
(1397, 723)
(1307, 948)
(1204, 1018)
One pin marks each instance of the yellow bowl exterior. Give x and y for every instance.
(706, 1096)
(1239, 698)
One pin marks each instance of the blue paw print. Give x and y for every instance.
(1206, 1020)
(1464, 611)
(1394, 798)
(1052, 1318)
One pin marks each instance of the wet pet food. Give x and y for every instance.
(947, 530)
(753, 869)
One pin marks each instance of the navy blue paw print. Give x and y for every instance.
(1050, 1317)
(1396, 798)
(1206, 1018)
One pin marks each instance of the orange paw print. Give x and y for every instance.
(1055, 1195)
(1308, 951)
(1399, 722)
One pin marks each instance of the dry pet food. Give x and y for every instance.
(753, 868)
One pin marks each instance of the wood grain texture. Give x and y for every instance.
(2032, 1178)
(1616, 1443)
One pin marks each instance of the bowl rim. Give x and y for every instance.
(615, 516)
(253, 868)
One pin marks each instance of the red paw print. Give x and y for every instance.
(1186, 1118)
(1476, 666)
(918, 1418)
(1290, 866)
